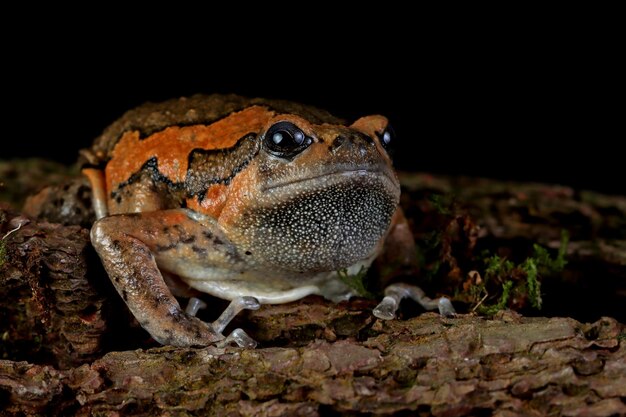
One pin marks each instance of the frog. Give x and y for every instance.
(251, 200)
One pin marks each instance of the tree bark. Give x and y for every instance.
(465, 366)
(69, 346)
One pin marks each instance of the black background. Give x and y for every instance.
(521, 103)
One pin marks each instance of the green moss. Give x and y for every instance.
(502, 302)
(533, 285)
(543, 259)
(524, 278)
(497, 267)
(355, 282)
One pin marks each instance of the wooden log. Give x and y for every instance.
(69, 346)
(508, 366)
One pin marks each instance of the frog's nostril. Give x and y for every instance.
(352, 143)
(339, 140)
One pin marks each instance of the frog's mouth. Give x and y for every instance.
(338, 175)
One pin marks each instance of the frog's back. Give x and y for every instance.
(199, 109)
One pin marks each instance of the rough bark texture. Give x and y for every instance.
(466, 366)
(69, 347)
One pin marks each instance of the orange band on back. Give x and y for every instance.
(172, 146)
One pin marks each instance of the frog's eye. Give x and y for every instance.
(386, 137)
(284, 139)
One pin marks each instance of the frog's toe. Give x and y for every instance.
(235, 306)
(240, 338)
(446, 308)
(194, 305)
(386, 310)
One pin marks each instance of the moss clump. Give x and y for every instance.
(521, 279)
(502, 302)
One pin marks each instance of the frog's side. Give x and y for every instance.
(250, 200)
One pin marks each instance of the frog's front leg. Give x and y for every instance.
(126, 244)
(394, 294)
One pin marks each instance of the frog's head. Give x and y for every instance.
(295, 150)
(317, 196)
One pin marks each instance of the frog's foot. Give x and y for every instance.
(394, 294)
(237, 336)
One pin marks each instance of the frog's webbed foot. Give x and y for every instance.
(394, 294)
